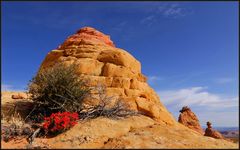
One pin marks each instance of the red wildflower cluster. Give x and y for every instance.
(59, 122)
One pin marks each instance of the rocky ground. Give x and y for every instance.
(133, 132)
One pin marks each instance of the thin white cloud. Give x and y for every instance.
(219, 109)
(196, 97)
(224, 118)
(120, 26)
(6, 87)
(224, 80)
(149, 20)
(174, 10)
(153, 79)
(167, 10)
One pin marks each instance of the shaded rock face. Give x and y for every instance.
(212, 133)
(100, 62)
(189, 119)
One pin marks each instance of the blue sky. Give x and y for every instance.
(188, 50)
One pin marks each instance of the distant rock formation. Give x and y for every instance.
(189, 119)
(19, 96)
(212, 133)
(230, 134)
(100, 62)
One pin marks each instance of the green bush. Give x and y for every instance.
(58, 88)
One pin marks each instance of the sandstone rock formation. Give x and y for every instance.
(101, 62)
(189, 119)
(212, 133)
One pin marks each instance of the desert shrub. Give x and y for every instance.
(9, 132)
(14, 126)
(107, 107)
(58, 89)
(59, 122)
(14, 130)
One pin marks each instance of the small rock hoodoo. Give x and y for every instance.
(189, 119)
(212, 133)
(102, 63)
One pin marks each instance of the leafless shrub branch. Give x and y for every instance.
(117, 111)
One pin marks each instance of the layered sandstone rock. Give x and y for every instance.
(189, 119)
(102, 63)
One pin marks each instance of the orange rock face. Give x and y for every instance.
(102, 63)
(189, 119)
(87, 35)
